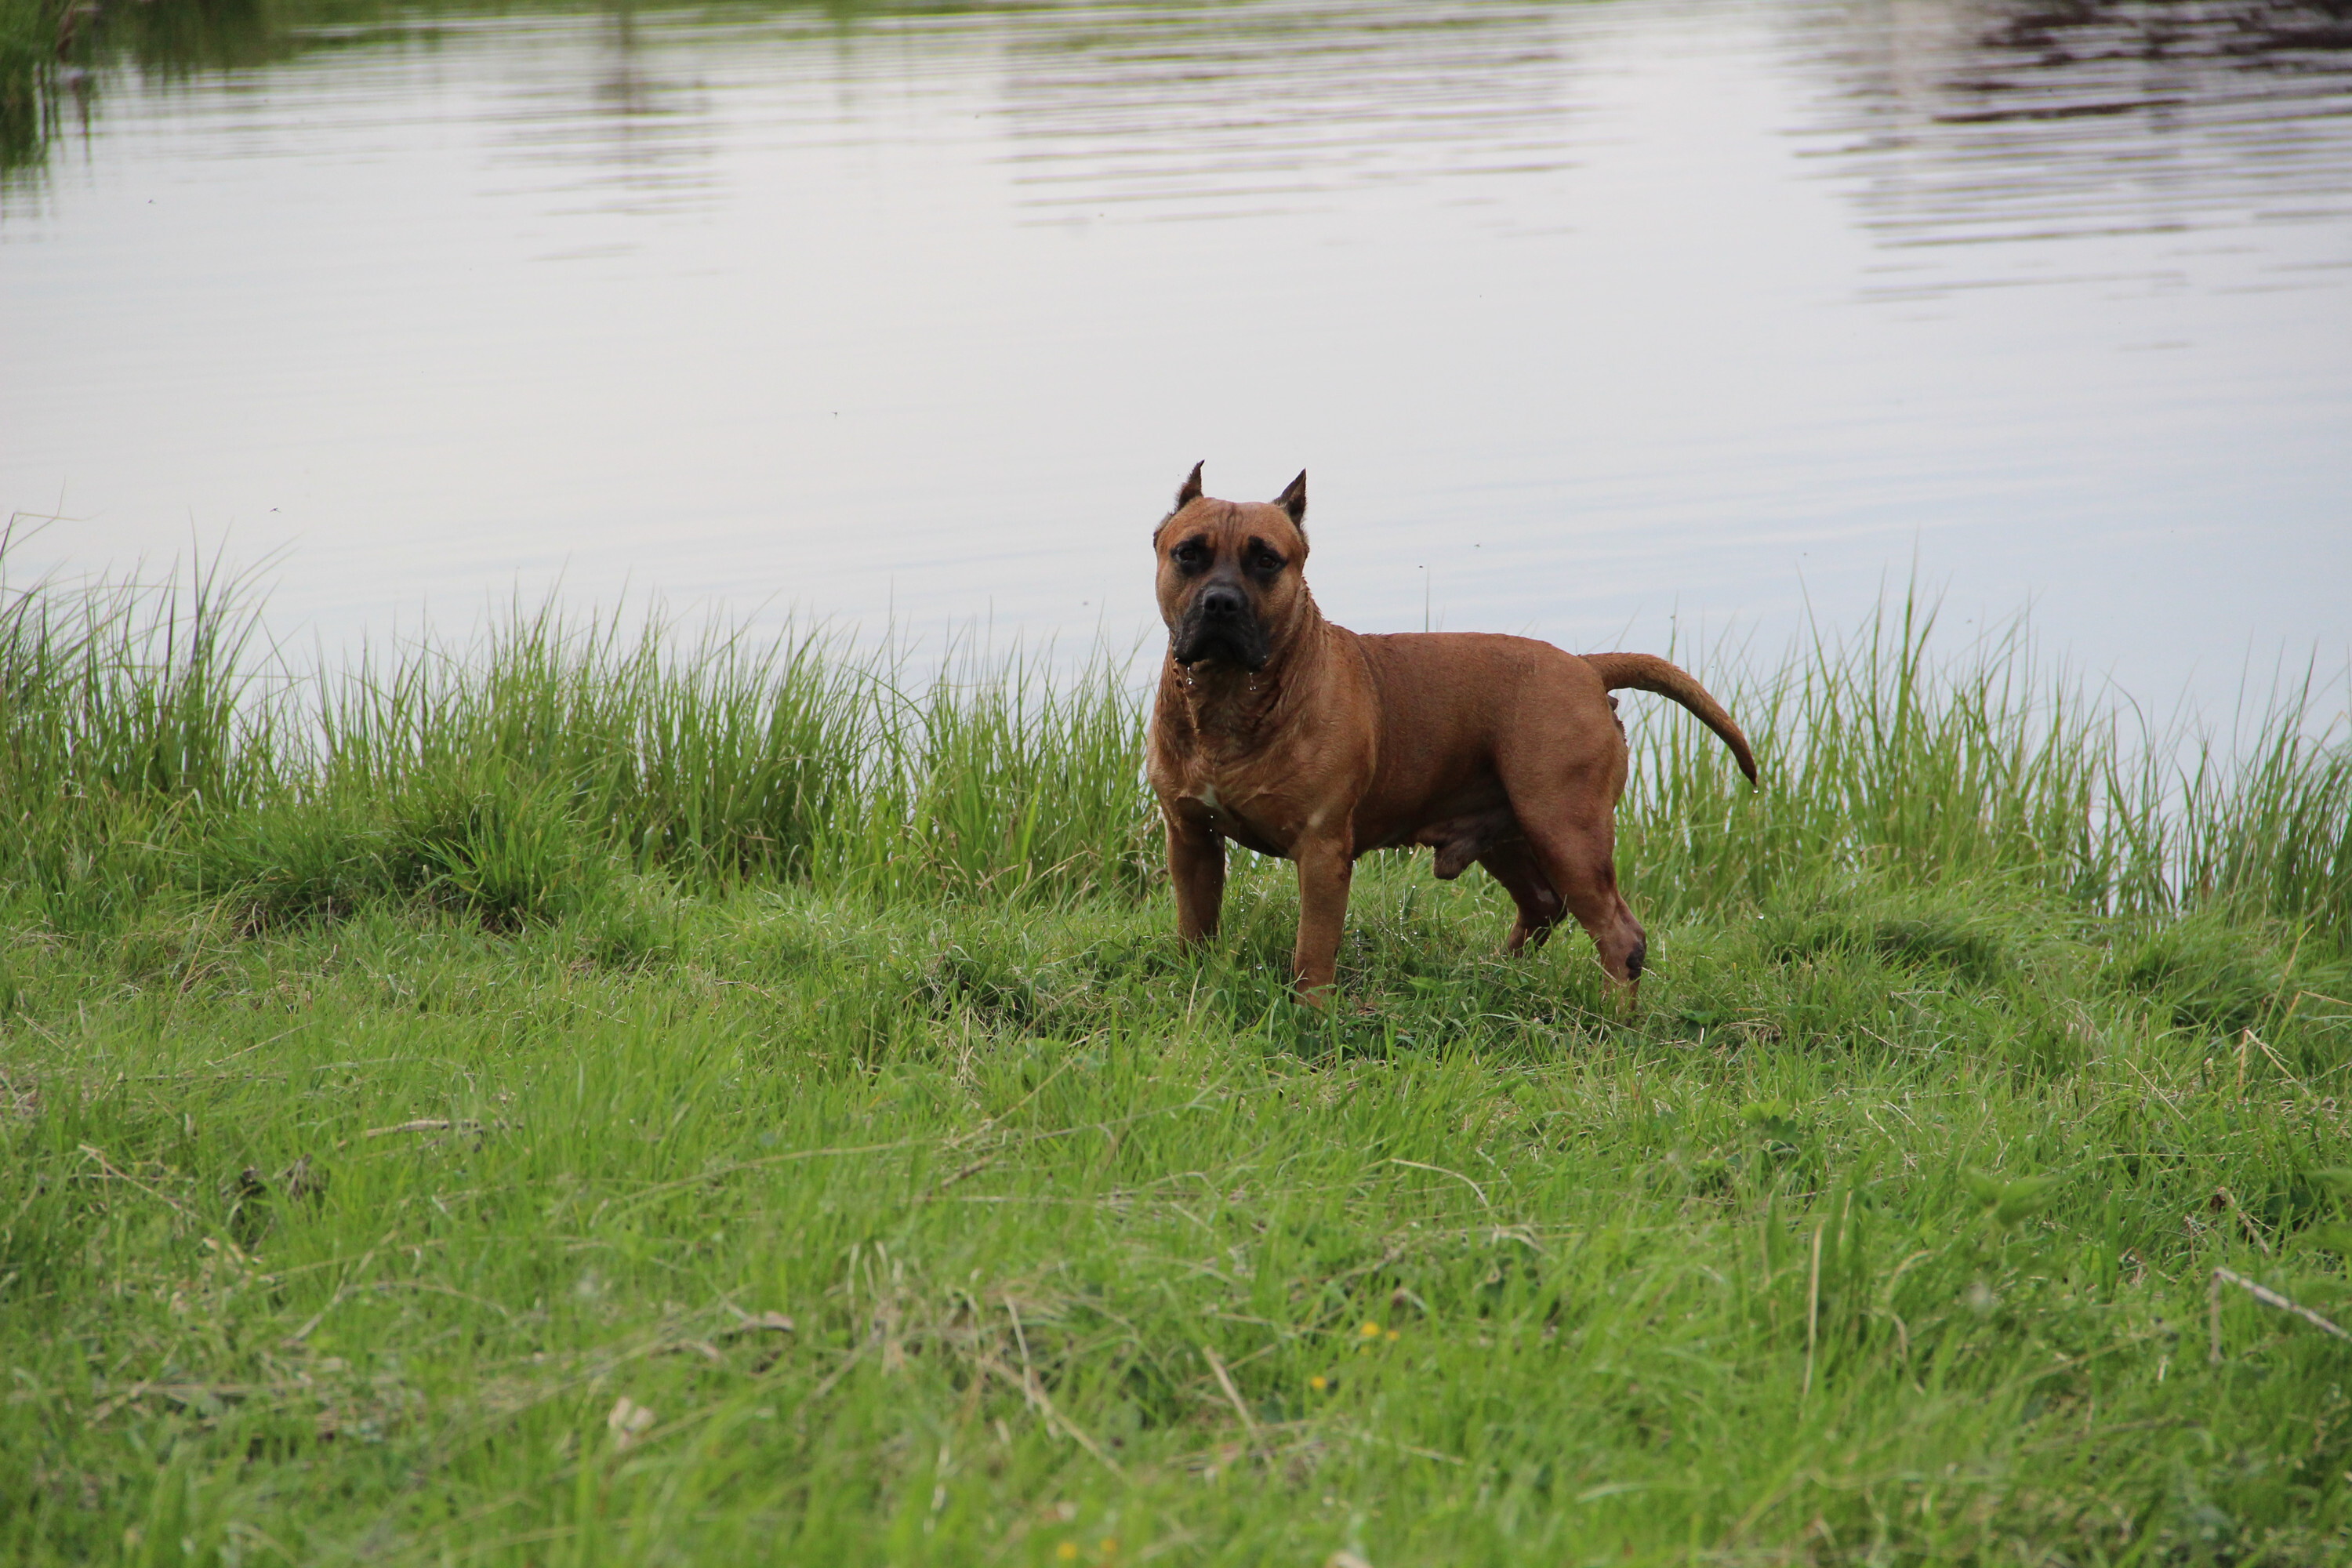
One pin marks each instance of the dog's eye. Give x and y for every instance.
(1190, 554)
(1264, 560)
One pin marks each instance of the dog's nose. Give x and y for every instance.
(1222, 603)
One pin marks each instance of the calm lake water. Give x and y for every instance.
(1609, 322)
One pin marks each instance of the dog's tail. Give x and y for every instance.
(1647, 672)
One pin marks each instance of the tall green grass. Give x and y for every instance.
(522, 774)
(1882, 751)
(149, 746)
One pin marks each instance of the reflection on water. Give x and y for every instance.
(634, 137)
(1590, 319)
(1183, 111)
(1965, 121)
(1165, 112)
(56, 55)
(1975, 119)
(1989, 122)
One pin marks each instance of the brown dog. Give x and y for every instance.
(1294, 737)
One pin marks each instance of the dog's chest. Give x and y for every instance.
(1212, 804)
(1214, 767)
(1232, 809)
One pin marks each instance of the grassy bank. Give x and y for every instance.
(599, 1097)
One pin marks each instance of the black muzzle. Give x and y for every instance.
(1220, 627)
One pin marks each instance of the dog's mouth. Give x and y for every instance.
(1216, 639)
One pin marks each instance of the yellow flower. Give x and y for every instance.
(1392, 1335)
(1370, 1330)
(1109, 1545)
(1318, 1383)
(1067, 1552)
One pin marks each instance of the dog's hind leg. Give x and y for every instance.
(1540, 909)
(1578, 859)
(1564, 782)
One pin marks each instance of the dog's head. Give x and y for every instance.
(1230, 573)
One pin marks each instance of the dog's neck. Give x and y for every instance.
(1226, 702)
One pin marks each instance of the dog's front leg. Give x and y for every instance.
(1196, 865)
(1326, 866)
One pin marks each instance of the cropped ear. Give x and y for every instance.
(1190, 489)
(1293, 500)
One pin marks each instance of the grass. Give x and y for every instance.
(591, 1096)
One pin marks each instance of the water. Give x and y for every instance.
(1611, 322)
